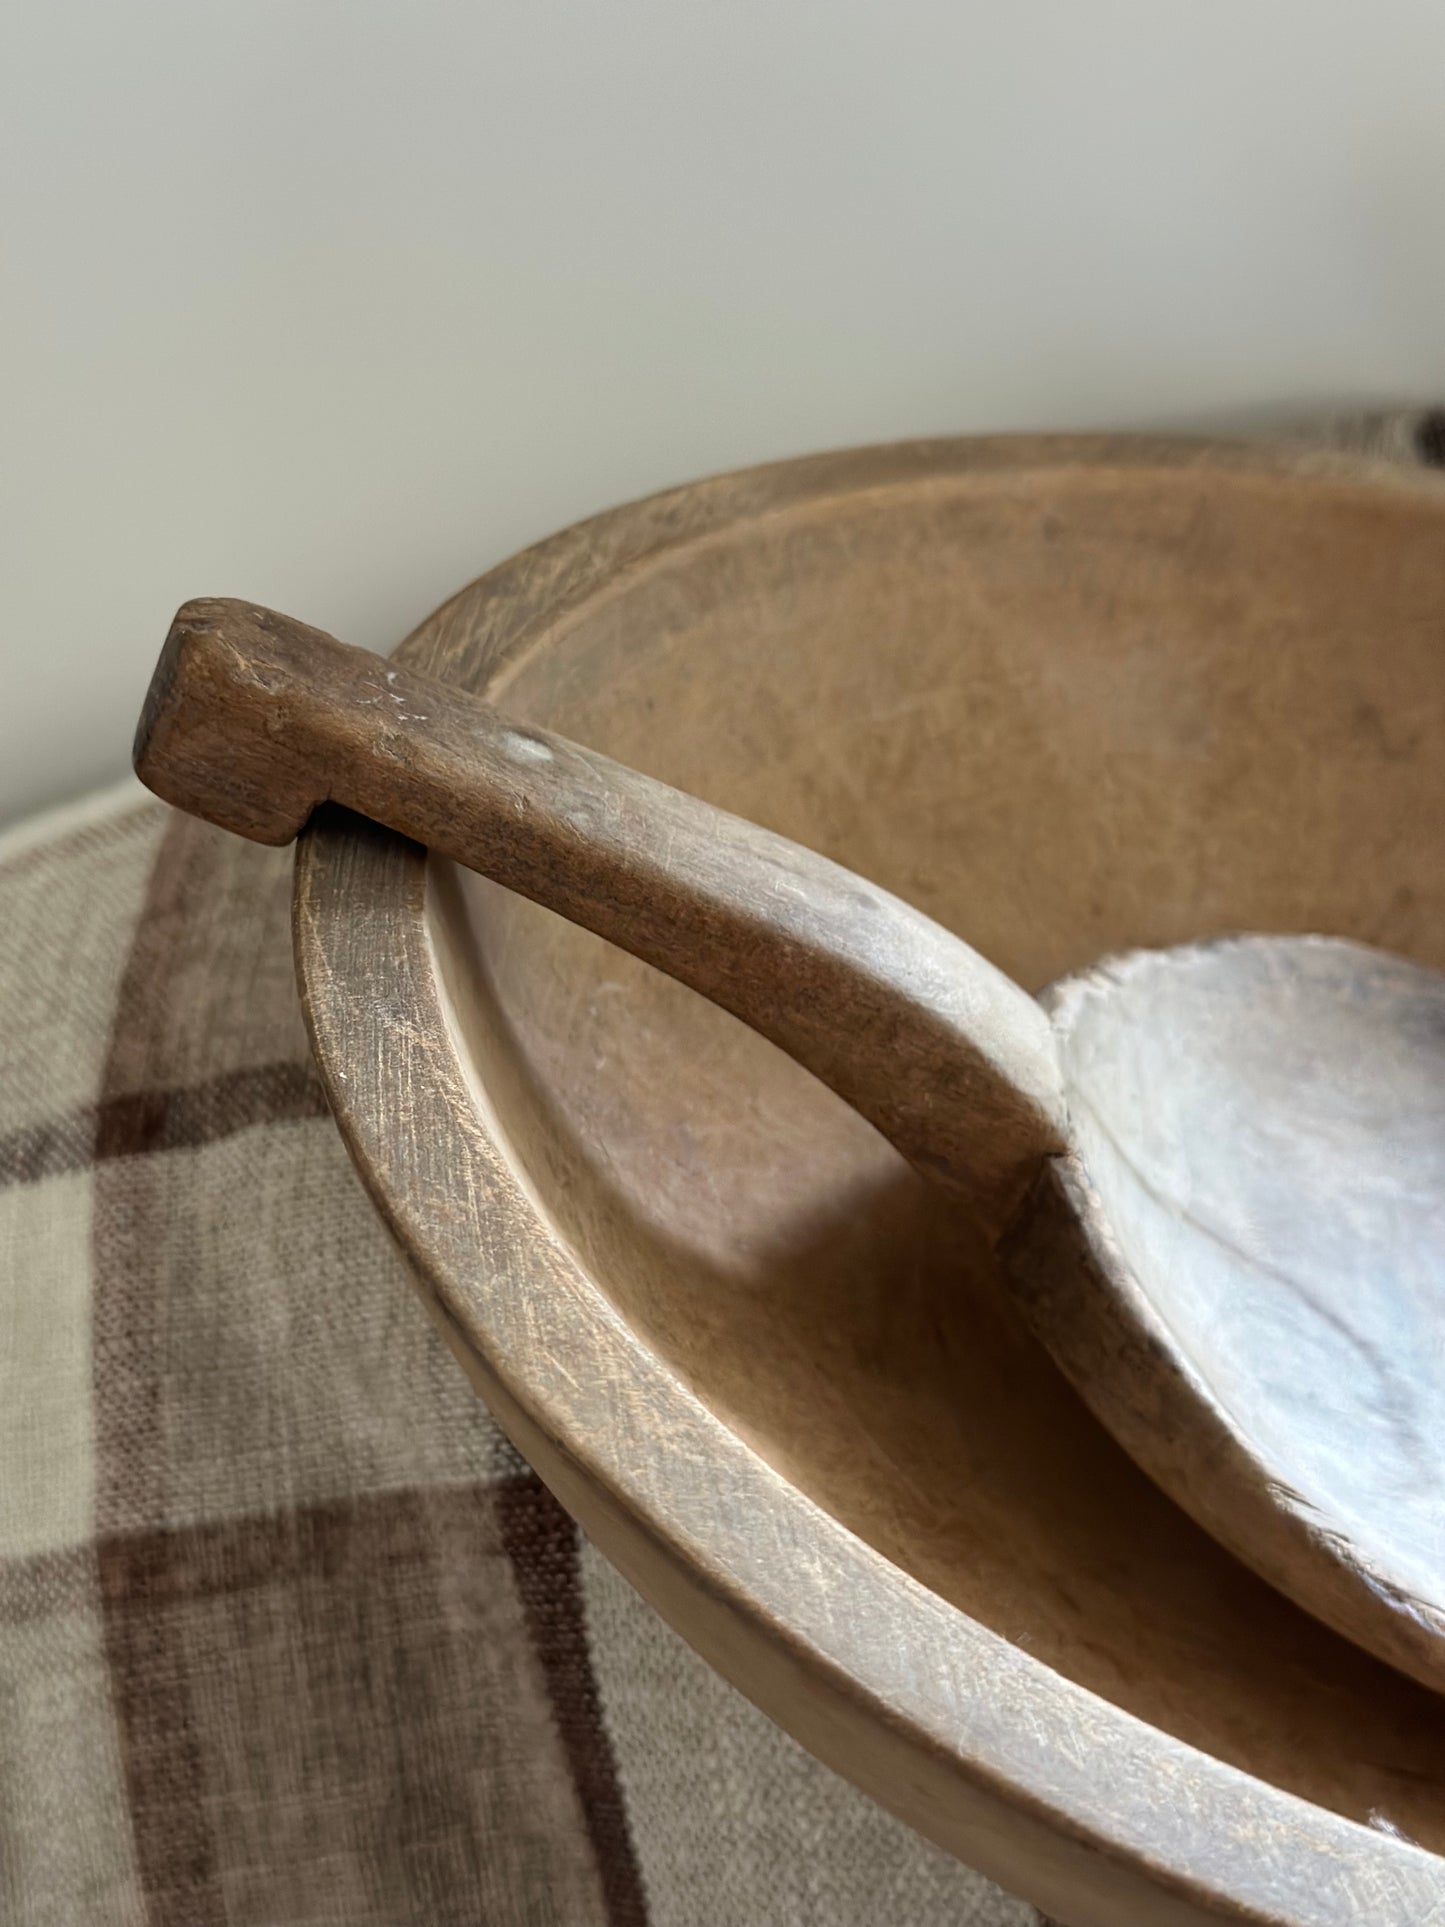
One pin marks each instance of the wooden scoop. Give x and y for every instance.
(1215, 1175)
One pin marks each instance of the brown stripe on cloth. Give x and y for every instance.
(49, 1149)
(541, 1540)
(372, 1749)
(328, 1705)
(171, 1120)
(42, 1585)
(161, 1120)
(202, 984)
(175, 1850)
(222, 996)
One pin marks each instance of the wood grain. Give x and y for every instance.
(253, 720)
(746, 1345)
(1253, 1298)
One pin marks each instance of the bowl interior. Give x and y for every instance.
(1065, 711)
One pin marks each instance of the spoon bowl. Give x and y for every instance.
(1242, 1267)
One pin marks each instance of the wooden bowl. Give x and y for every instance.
(1068, 696)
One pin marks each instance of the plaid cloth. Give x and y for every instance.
(288, 1632)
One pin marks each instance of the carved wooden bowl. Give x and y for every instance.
(1068, 696)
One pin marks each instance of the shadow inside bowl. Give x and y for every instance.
(830, 1307)
(1110, 707)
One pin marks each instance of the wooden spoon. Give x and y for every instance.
(1215, 1174)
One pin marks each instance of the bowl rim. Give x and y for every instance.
(964, 1735)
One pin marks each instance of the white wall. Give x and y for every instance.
(331, 303)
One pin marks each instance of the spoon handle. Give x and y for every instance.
(253, 720)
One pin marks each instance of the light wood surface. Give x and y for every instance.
(748, 1346)
(1245, 1253)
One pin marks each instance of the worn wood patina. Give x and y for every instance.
(1070, 698)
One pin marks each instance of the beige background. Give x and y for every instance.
(332, 302)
